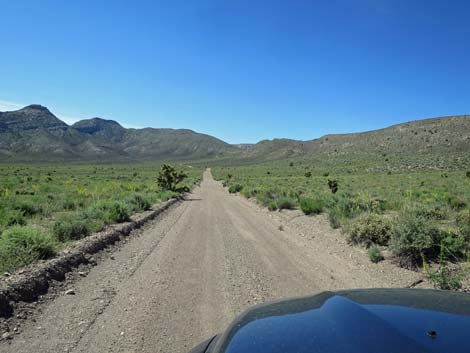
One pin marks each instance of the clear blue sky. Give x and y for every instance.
(241, 70)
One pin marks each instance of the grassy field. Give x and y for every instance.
(43, 207)
(420, 216)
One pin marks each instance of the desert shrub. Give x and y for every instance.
(28, 209)
(20, 246)
(333, 185)
(167, 195)
(272, 206)
(374, 254)
(69, 204)
(71, 228)
(350, 206)
(138, 202)
(266, 197)
(463, 222)
(118, 212)
(430, 212)
(369, 229)
(249, 193)
(13, 217)
(334, 217)
(235, 188)
(455, 202)
(412, 238)
(311, 206)
(96, 211)
(454, 244)
(308, 174)
(445, 277)
(109, 212)
(285, 203)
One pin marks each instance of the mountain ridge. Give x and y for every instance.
(34, 133)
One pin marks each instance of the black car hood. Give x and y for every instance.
(378, 320)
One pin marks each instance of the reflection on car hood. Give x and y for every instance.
(363, 321)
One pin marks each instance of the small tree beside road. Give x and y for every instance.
(169, 177)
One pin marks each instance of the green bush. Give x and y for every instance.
(311, 206)
(97, 211)
(266, 197)
(20, 246)
(334, 218)
(463, 222)
(285, 203)
(414, 237)
(433, 212)
(333, 185)
(445, 277)
(14, 217)
(249, 193)
(235, 188)
(455, 202)
(69, 204)
(350, 206)
(370, 229)
(71, 228)
(272, 206)
(118, 213)
(138, 203)
(167, 195)
(169, 178)
(454, 244)
(374, 254)
(109, 212)
(28, 209)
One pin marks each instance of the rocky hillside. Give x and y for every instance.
(448, 134)
(35, 134)
(435, 143)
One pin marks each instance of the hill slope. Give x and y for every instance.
(429, 143)
(35, 134)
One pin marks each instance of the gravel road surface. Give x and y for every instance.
(190, 272)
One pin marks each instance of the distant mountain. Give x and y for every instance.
(430, 143)
(32, 117)
(35, 134)
(436, 134)
(108, 130)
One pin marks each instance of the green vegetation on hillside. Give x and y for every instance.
(44, 206)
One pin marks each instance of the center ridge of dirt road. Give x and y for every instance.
(191, 272)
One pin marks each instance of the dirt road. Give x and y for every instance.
(191, 271)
